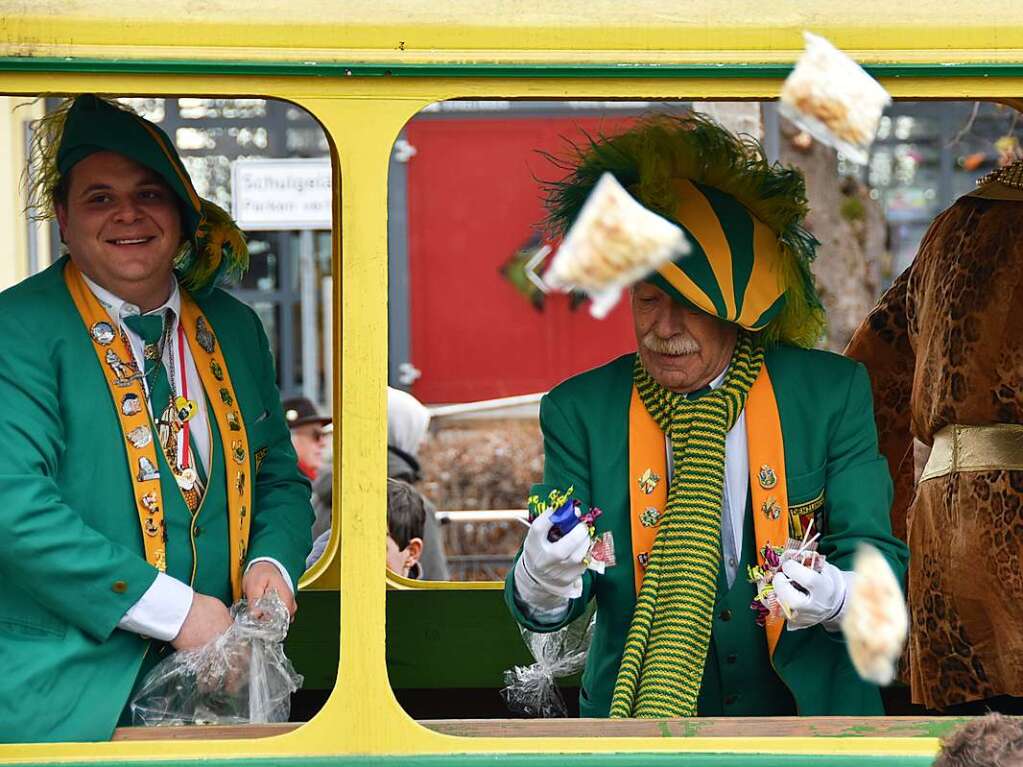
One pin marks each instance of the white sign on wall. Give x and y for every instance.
(281, 194)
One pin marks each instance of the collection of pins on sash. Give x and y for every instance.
(206, 340)
(651, 515)
(126, 372)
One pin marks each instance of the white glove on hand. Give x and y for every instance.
(822, 598)
(548, 574)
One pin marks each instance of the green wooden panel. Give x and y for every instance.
(451, 639)
(436, 639)
(312, 643)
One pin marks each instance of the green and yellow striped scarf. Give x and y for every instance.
(666, 647)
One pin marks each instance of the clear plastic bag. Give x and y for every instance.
(833, 99)
(532, 690)
(875, 624)
(614, 242)
(241, 677)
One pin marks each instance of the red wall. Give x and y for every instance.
(472, 203)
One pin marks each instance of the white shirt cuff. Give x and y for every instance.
(279, 566)
(161, 611)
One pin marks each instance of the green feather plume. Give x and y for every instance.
(219, 252)
(41, 177)
(645, 160)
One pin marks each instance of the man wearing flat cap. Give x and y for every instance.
(147, 480)
(723, 436)
(308, 430)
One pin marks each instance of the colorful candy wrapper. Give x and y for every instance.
(568, 513)
(532, 690)
(602, 553)
(614, 242)
(875, 623)
(766, 603)
(564, 519)
(833, 99)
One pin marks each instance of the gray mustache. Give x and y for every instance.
(682, 343)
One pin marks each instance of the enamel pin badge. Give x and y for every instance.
(147, 471)
(102, 333)
(204, 336)
(140, 436)
(767, 478)
(648, 481)
(771, 508)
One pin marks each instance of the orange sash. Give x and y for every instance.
(648, 479)
(124, 380)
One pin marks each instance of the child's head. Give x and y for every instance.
(988, 741)
(406, 517)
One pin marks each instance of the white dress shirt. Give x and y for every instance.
(162, 609)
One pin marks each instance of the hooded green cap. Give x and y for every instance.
(214, 247)
(94, 125)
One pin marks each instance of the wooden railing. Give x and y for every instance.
(731, 727)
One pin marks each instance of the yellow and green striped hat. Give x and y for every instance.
(733, 270)
(80, 127)
(749, 263)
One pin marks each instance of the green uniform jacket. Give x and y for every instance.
(71, 555)
(824, 403)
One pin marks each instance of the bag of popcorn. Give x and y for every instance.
(614, 242)
(833, 99)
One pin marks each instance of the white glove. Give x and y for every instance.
(548, 574)
(820, 598)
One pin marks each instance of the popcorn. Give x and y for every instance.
(613, 243)
(875, 623)
(830, 97)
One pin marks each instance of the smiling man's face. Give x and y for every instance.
(683, 349)
(122, 226)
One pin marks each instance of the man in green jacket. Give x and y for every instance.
(147, 478)
(721, 439)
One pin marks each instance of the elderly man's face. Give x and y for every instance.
(681, 348)
(122, 226)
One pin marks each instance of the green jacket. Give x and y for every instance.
(824, 403)
(71, 555)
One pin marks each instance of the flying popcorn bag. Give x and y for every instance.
(833, 99)
(875, 624)
(614, 243)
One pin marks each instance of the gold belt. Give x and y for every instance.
(975, 448)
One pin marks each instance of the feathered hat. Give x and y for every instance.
(750, 257)
(213, 247)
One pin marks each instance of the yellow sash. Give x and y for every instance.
(648, 479)
(124, 380)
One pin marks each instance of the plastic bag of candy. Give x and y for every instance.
(614, 242)
(832, 98)
(240, 677)
(532, 690)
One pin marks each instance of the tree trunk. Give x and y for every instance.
(851, 229)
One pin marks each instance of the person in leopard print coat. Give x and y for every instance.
(944, 347)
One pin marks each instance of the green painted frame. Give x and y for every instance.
(766, 70)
